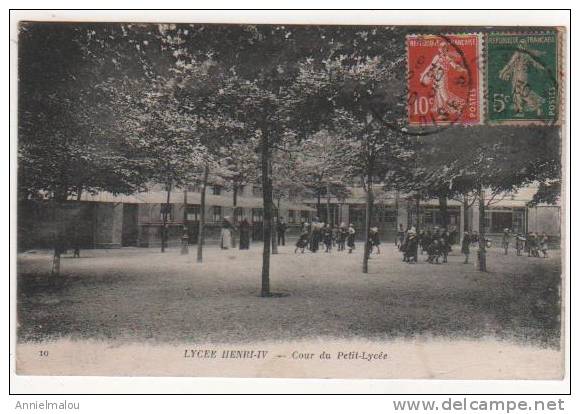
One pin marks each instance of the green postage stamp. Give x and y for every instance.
(523, 78)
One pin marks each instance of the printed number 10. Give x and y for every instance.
(43, 353)
(421, 106)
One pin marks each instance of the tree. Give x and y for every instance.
(481, 164)
(360, 85)
(65, 143)
(322, 169)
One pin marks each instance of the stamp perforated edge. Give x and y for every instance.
(480, 65)
(560, 80)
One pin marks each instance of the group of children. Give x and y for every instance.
(312, 234)
(532, 244)
(436, 244)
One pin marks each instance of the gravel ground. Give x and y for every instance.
(142, 295)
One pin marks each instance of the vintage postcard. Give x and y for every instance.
(290, 201)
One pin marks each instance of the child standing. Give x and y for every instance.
(544, 245)
(350, 238)
(465, 244)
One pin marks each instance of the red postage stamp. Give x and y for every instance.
(444, 79)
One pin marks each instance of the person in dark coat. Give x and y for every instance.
(445, 245)
(411, 247)
(302, 241)
(315, 235)
(350, 238)
(374, 240)
(434, 251)
(244, 228)
(342, 235)
(465, 244)
(427, 239)
(281, 232)
(422, 239)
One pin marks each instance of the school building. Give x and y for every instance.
(391, 209)
(105, 220)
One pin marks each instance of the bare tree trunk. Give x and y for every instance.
(444, 211)
(368, 221)
(275, 229)
(318, 204)
(77, 224)
(165, 213)
(185, 235)
(55, 270)
(200, 235)
(267, 221)
(482, 263)
(328, 204)
(234, 219)
(417, 212)
(465, 213)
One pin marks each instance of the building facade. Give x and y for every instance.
(109, 221)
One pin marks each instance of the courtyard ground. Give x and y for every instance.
(142, 295)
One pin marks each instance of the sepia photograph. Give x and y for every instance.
(290, 201)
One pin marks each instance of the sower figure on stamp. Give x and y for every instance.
(436, 75)
(516, 70)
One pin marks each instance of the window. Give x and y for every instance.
(518, 221)
(291, 216)
(388, 216)
(166, 208)
(257, 215)
(357, 215)
(192, 213)
(238, 214)
(500, 221)
(257, 191)
(194, 188)
(216, 190)
(304, 215)
(217, 213)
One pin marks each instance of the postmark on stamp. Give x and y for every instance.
(443, 79)
(522, 78)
